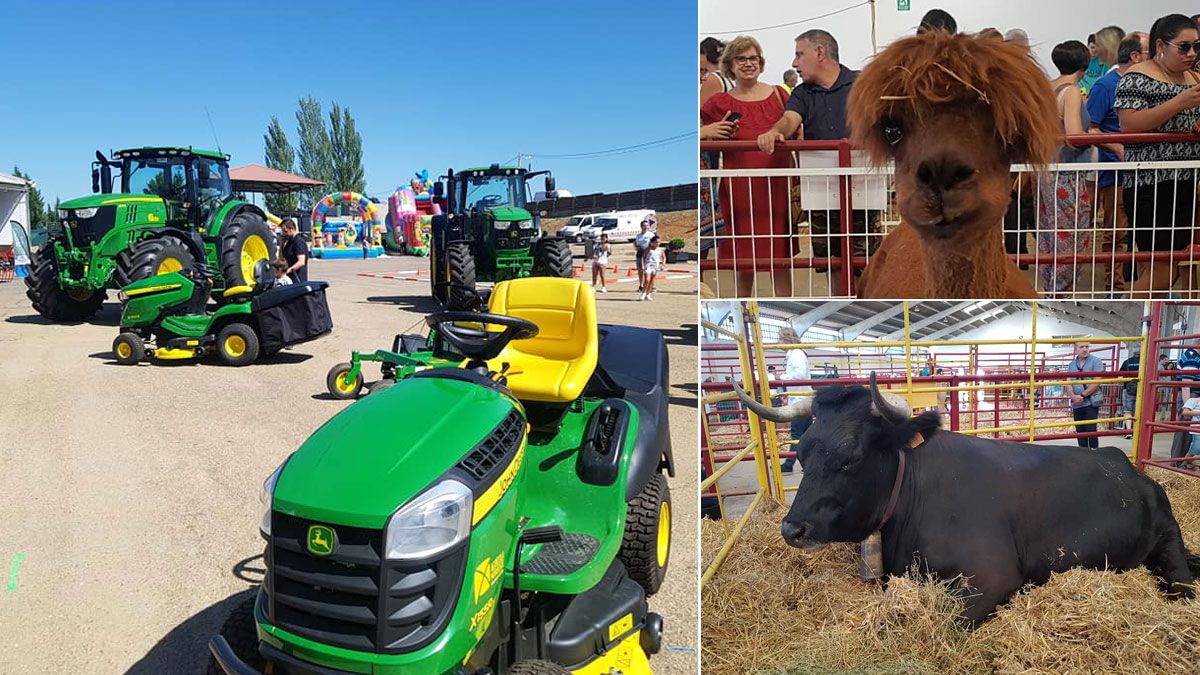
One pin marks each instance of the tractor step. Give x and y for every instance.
(563, 557)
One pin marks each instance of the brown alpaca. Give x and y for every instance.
(953, 112)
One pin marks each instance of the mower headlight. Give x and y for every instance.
(267, 496)
(501, 224)
(63, 214)
(84, 214)
(432, 522)
(525, 224)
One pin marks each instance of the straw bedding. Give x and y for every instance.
(773, 609)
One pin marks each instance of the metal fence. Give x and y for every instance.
(824, 218)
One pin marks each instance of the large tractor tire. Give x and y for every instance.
(552, 258)
(245, 241)
(151, 257)
(49, 299)
(538, 667)
(460, 266)
(241, 633)
(646, 546)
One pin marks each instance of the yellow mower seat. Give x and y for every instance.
(555, 366)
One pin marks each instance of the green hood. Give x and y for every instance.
(107, 200)
(510, 213)
(382, 451)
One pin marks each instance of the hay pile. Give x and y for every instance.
(773, 609)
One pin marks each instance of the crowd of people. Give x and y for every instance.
(1118, 81)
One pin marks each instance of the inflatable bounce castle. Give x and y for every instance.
(410, 216)
(344, 240)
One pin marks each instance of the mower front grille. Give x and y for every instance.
(491, 455)
(353, 598)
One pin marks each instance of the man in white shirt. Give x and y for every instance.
(1191, 411)
(796, 368)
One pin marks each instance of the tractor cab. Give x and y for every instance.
(193, 184)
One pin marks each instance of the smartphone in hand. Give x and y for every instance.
(733, 116)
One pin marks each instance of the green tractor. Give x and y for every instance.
(174, 208)
(488, 234)
(514, 524)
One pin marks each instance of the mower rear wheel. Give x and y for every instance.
(538, 667)
(245, 241)
(240, 632)
(552, 258)
(237, 345)
(646, 546)
(341, 387)
(461, 275)
(129, 348)
(49, 299)
(151, 257)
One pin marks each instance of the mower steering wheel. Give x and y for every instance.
(479, 344)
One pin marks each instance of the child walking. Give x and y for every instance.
(654, 262)
(600, 261)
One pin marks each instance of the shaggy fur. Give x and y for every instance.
(1003, 112)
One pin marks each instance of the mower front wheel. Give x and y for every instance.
(241, 633)
(646, 546)
(237, 345)
(129, 348)
(340, 386)
(538, 667)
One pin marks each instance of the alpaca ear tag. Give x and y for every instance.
(892, 133)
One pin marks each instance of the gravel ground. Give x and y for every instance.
(129, 495)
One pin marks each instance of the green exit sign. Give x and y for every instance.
(903, 5)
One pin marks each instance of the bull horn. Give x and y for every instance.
(789, 413)
(891, 407)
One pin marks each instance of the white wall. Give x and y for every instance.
(14, 205)
(1047, 22)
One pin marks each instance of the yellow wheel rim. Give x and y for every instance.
(664, 533)
(344, 383)
(79, 294)
(169, 265)
(235, 345)
(124, 351)
(253, 250)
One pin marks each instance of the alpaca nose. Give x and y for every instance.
(793, 532)
(943, 173)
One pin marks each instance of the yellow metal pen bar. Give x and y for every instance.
(721, 331)
(730, 462)
(737, 531)
(951, 343)
(1042, 425)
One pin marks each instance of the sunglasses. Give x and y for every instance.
(1185, 47)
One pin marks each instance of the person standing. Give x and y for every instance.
(795, 368)
(600, 261)
(1129, 390)
(1086, 398)
(790, 80)
(294, 251)
(642, 243)
(654, 263)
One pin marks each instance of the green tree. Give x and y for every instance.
(279, 155)
(348, 174)
(315, 150)
(38, 216)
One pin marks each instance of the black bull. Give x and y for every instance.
(999, 513)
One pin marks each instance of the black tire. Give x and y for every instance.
(151, 257)
(129, 348)
(336, 383)
(382, 384)
(640, 552)
(552, 258)
(538, 667)
(240, 631)
(49, 299)
(235, 353)
(460, 264)
(240, 252)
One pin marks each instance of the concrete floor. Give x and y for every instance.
(129, 496)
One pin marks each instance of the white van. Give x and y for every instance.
(574, 230)
(621, 225)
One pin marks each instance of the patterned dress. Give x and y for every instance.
(1064, 221)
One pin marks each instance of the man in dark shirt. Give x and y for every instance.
(294, 251)
(817, 108)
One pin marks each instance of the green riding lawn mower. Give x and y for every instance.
(174, 209)
(167, 317)
(488, 233)
(516, 524)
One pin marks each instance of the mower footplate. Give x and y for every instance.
(563, 557)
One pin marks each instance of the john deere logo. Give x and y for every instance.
(320, 540)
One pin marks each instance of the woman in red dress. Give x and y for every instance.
(760, 226)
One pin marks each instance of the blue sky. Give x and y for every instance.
(430, 85)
